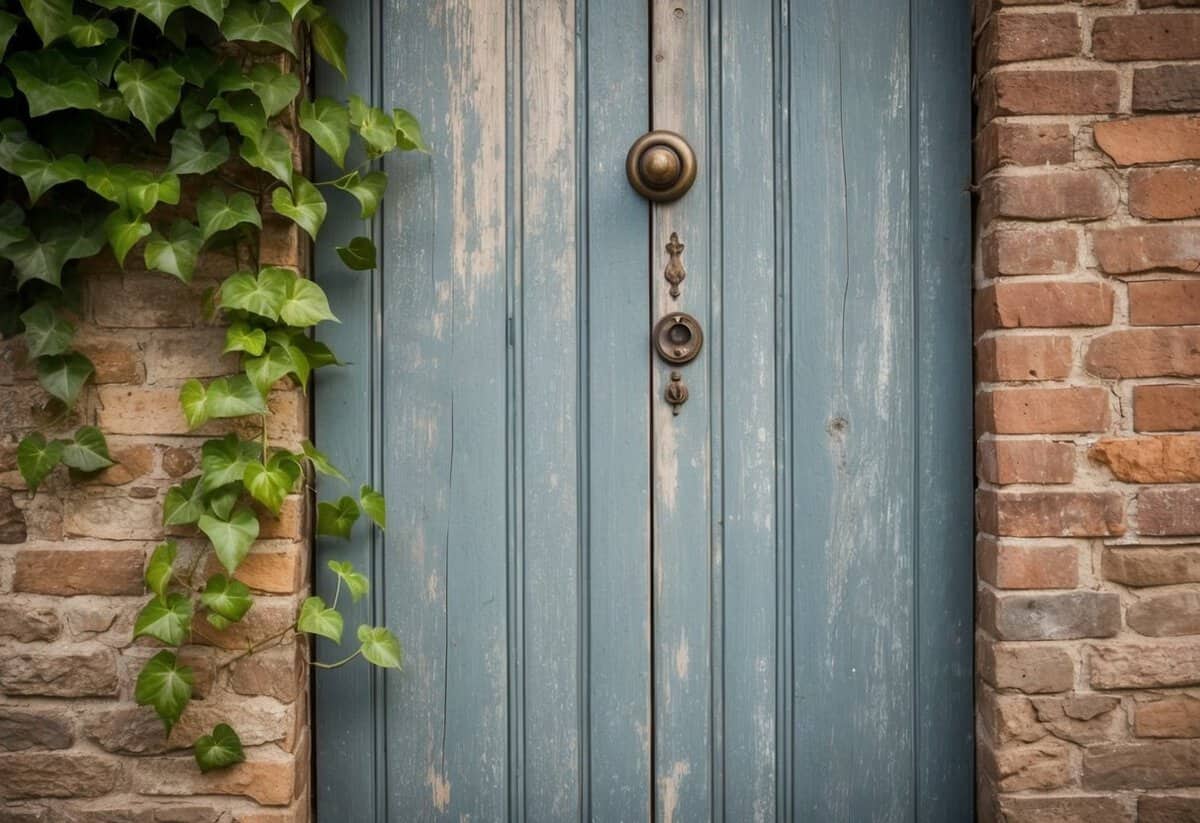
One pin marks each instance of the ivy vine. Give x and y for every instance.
(107, 108)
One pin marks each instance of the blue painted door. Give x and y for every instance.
(756, 609)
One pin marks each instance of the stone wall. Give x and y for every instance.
(1087, 410)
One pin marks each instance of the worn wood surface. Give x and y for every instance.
(759, 609)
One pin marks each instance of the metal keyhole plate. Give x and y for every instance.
(678, 338)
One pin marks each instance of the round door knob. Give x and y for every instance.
(678, 338)
(661, 166)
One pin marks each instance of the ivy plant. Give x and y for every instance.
(158, 130)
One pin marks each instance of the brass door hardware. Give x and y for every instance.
(661, 166)
(674, 273)
(678, 338)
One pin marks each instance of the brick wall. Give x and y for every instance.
(73, 744)
(1088, 410)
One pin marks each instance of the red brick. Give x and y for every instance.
(1019, 357)
(1152, 565)
(1161, 764)
(1026, 461)
(1166, 407)
(116, 359)
(1165, 614)
(1030, 410)
(79, 571)
(1008, 565)
(1060, 195)
(1022, 144)
(1164, 194)
(1149, 139)
(1168, 808)
(1164, 302)
(1133, 249)
(1147, 37)
(1171, 459)
(1066, 809)
(1092, 91)
(57, 774)
(1043, 305)
(1158, 352)
(1144, 664)
(1009, 38)
(1169, 512)
(1030, 251)
(1034, 668)
(1055, 616)
(1051, 513)
(268, 776)
(1167, 88)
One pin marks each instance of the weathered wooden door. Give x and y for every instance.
(758, 608)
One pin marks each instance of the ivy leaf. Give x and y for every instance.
(303, 205)
(241, 336)
(222, 500)
(194, 112)
(376, 129)
(189, 155)
(380, 647)
(124, 231)
(219, 750)
(374, 505)
(165, 685)
(196, 65)
(337, 519)
(161, 567)
(243, 111)
(37, 169)
(134, 190)
(212, 9)
(87, 33)
(46, 332)
(167, 619)
(305, 305)
(271, 483)
(218, 213)
(184, 503)
(408, 131)
(278, 362)
(329, 41)
(224, 461)
(293, 7)
(226, 597)
(274, 88)
(262, 295)
(63, 375)
(328, 123)
(36, 458)
(320, 461)
(231, 538)
(177, 252)
(156, 11)
(151, 94)
(359, 255)
(193, 398)
(8, 27)
(233, 397)
(355, 582)
(316, 618)
(368, 191)
(12, 224)
(259, 22)
(51, 82)
(319, 355)
(50, 18)
(272, 153)
(88, 451)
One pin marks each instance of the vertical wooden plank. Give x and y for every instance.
(444, 370)
(348, 748)
(616, 323)
(852, 398)
(684, 553)
(941, 57)
(547, 344)
(747, 398)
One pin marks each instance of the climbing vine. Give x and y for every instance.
(111, 113)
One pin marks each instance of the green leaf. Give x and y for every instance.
(380, 647)
(161, 568)
(151, 94)
(165, 618)
(368, 191)
(184, 503)
(233, 397)
(274, 88)
(359, 255)
(241, 336)
(243, 111)
(271, 483)
(189, 155)
(88, 451)
(224, 461)
(317, 618)
(328, 123)
(337, 519)
(193, 398)
(87, 33)
(355, 582)
(408, 131)
(51, 19)
(63, 237)
(293, 7)
(218, 213)
(135, 190)
(36, 458)
(12, 224)
(231, 538)
(212, 9)
(376, 129)
(329, 41)
(176, 253)
(320, 462)
(8, 27)
(45, 331)
(319, 355)
(259, 22)
(38, 170)
(219, 750)
(278, 362)
(303, 205)
(226, 597)
(194, 112)
(305, 304)
(272, 153)
(222, 500)
(196, 65)
(51, 82)
(165, 685)
(124, 231)
(263, 295)
(157, 11)
(374, 505)
(63, 375)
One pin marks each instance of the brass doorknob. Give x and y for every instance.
(678, 338)
(661, 166)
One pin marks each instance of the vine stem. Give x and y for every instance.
(335, 664)
(267, 642)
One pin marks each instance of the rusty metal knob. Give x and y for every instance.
(661, 166)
